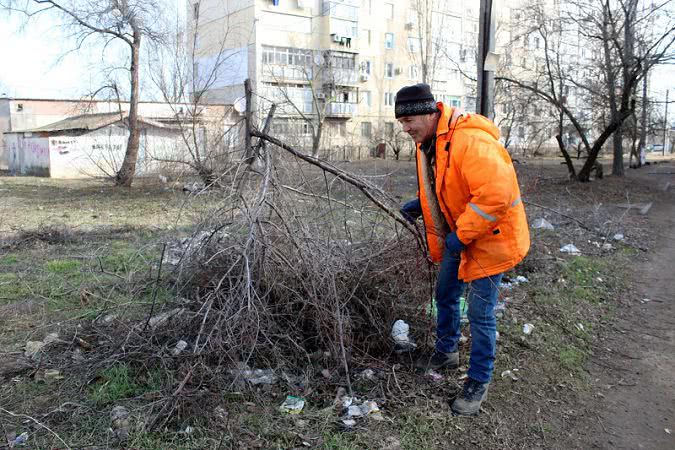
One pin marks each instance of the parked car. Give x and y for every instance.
(655, 148)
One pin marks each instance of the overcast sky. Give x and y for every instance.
(33, 62)
(40, 60)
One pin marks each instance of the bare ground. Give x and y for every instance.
(635, 372)
(571, 392)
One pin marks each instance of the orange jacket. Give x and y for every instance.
(477, 190)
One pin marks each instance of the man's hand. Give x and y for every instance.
(453, 244)
(411, 210)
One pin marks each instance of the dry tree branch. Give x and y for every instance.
(343, 175)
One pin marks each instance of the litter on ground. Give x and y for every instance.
(542, 224)
(570, 249)
(292, 405)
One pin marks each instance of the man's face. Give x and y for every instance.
(420, 128)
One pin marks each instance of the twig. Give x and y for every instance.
(154, 294)
(37, 422)
(341, 174)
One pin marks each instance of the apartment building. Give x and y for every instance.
(527, 122)
(339, 62)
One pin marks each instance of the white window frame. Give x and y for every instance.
(367, 129)
(389, 70)
(389, 43)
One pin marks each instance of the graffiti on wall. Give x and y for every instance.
(37, 148)
(62, 145)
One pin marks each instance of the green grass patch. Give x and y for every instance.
(63, 266)
(572, 358)
(583, 270)
(341, 441)
(120, 382)
(125, 257)
(164, 295)
(162, 441)
(417, 432)
(9, 259)
(12, 288)
(583, 275)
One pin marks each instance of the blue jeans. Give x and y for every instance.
(481, 299)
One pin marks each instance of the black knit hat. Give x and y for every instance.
(415, 101)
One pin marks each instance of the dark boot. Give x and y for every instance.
(469, 401)
(438, 360)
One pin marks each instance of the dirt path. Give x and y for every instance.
(638, 397)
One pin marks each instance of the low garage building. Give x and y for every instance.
(88, 145)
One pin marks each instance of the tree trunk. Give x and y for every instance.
(585, 172)
(643, 123)
(617, 161)
(566, 155)
(316, 142)
(125, 176)
(626, 69)
(617, 164)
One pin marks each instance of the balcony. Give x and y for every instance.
(343, 9)
(339, 109)
(283, 73)
(340, 77)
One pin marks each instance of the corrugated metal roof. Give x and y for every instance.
(89, 122)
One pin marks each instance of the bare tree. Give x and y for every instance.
(206, 136)
(427, 23)
(123, 21)
(601, 28)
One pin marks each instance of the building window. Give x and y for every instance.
(341, 129)
(286, 56)
(388, 40)
(389, 11)
(412, 16)
(413, 44)
(342, 60)
(366, 67)
(536, 42)
(389, 99)
(389, 70)
(366, 129)
(389, 129)
(413, 72)
(366, 98)
(19, 107)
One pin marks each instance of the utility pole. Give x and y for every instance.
(486, 68)
(666, 126)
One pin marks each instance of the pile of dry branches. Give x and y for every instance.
(294, 262)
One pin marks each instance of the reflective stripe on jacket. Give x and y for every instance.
(478, 195)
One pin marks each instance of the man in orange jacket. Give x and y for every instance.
(475, 227)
